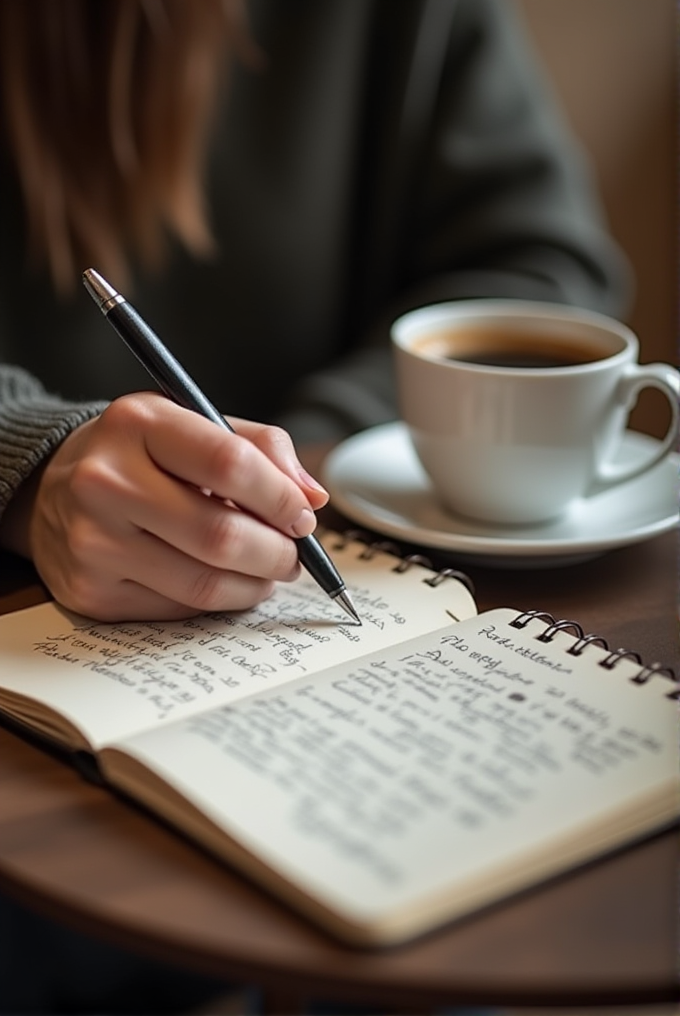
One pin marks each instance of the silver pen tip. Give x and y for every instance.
(98, 288)
(344, 600)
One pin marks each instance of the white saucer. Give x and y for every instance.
(375, 479)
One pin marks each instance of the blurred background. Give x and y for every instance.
(613, 65)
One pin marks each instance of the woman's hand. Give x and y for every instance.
(135, 514)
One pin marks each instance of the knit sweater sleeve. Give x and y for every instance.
(32, 424)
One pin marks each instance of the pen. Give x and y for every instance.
(176, 384)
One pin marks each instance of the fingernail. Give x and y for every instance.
(305, 524)
(310, 481)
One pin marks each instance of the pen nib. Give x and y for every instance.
(344, 600)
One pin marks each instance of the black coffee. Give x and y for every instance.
(530, 358)
(493, 347)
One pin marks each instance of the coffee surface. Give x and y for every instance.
(494, 348)
(531, 358)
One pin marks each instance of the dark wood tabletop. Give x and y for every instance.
(604, 934)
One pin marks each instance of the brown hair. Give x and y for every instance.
(106, 106)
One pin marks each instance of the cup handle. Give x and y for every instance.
(649, 375)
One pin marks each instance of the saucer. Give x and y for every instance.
(375, 479)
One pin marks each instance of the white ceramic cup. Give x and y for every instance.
(508, 443)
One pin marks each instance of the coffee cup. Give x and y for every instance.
(516, 409)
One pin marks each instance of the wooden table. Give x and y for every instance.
(606, 934)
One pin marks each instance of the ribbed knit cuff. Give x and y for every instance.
(32, 424)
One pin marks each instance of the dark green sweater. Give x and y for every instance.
(392, 153)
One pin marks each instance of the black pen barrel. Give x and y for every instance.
(317, 562)
(156, 358)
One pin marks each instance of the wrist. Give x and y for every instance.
(15, 523)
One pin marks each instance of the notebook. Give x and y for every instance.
(382, 779)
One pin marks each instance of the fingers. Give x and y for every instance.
(148, 579)
(127, 600)
(219, 535)
(203, 587)
(230, 465)
(231, 572)
(278, 446)
(121, 526)
(203, 528)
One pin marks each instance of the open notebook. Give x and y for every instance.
(384, 778)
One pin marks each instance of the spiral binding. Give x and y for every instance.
(405, 561)
(582, 641)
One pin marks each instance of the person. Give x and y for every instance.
(270, 186)
(365, 159)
